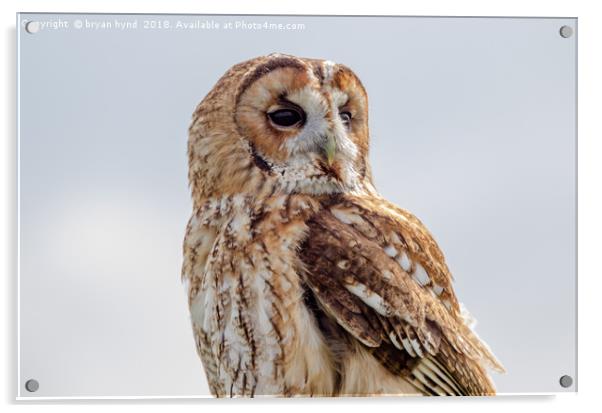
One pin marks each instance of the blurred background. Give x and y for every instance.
(473, 127)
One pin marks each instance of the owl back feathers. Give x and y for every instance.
(354, 259)
(376, 270)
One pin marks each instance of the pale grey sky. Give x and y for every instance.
(473, 130)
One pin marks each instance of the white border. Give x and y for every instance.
(18, 160)
(200, 397)
(589, 181)
(23, 395)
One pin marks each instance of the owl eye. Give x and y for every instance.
(345, 118)
(287, 117)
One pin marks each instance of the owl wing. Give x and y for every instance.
(378, 272)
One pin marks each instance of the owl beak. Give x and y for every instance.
(329, 148)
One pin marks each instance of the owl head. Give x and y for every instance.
(281, 123)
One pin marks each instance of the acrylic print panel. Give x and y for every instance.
(472, 125)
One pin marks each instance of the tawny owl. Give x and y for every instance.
(302, 279)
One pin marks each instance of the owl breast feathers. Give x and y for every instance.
(301, 278)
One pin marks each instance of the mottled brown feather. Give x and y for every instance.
(301, 279)
(412, 311)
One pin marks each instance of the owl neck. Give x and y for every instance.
(257, 184)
